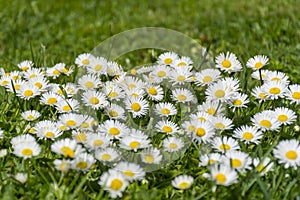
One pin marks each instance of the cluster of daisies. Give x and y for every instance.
(137, 121)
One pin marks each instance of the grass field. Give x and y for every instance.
(58, 31)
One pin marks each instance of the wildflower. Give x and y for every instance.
(151, 156)
(221, 123)
(71, 120)
(218, 92)
(238, 100)
(131, 171)
(25, 65)
(180, 76)
(47, 130)
(160, 73)
(276, 76)
(136, 140)
(266, 120)
(167, 58)
(83, 60)
(183, 182)
(50, 98)
(212, 108)
(238, 160)
(32, 73)
(62, 165)
(113, 129)
(137, 106)
(288, 153)
(96, 140)
(293, 93)
(225, 144)
(94, 99)
(89, 82)
(97, 66)
(228, 62)
(26, 148)
(155, 92)
(107, 155)
(248, 134)
(167, 127)
(115, 111)
(274, 90)
(40, 82)
(67, 105)
(30, 115)
(28, 91)
(207, 76)
(210, 159)
(263, 166)
(257, 62)
(203, 131)
(184, 61)
(182, 95)
(223, 175)
(259, 93)
(113, 92)
(173, 144)
(66, 147)
(83, 162)
(284, 115)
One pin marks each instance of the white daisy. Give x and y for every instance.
(223, 175)
(238, 160)
(266, 120)
(260, 74)
(27, 149)
(96, 140)
(228, 62)
(167, 127)
(167, 58)
(67, 105)
(115, 111)
(28, 91)
(113, 69)
(66, 147)
(137, 106)
(25, 65)
(180, 76)
(21, 177)
(155, 92)
(221, 123)
(131, 171)
(62, 165)
(184, 61)
(293, 93)
(263, 166)
(288, 153)
(284, 115)
(113, 92)
(50, 98)
(136, 140)
(165, 109)
(238, 100)
(40, 82)
(210, 159)
(83, 60)
(277, 76)
(151, 156)
(218, 92)
(225, 144)
(83, 162)
(71, 120)
(182, 182)
(107, 155)
(160, 73)
(182, 95)
(173, 144)
(97, 66)
(89, 82)
(32, 73)
(212, 108)
(94, 99)
(114, 129)
(30, 115)
(274, 90)
(47, 130)
(248, 134)
(207, 76)
(259, 94)
(203, 131)
(257, 62)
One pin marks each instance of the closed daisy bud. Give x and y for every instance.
(288, 153)
(21, 177)
(183, 182)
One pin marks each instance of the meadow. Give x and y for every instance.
(230, 132)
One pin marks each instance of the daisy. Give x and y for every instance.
(130, 83)
(160, 73)
(62, 68)
(167, 127)
(212, 108)
(274, 90)
(276, 76)
(114, 129)
(155, 92)
(21, 177)
(107, 155)
(83, 60)
(151, 156)
(288, 153)
(221, 123)
(182, 182)
(40, 82)
(137, 106)
(71, 120)
(83, 162)
(28, 91)
(180, 76)
(30, 115)
(97, 66)
(259, 94)
(167, 58)
(203, 131)
(173, 144)
(182, 95)
(47, 130)
(238, 160)
(20, 139)
(223, 175)
(225, 144)
(266, 120)
(27, 149)
(32, 73)
(53, 72)
(231, 84)
(80, 136)
(89, 123)
(263, 166)
(114, 182)
(136, 140)
(115, 111)
(94, 99)
(71, 89)
(66, 147)
(15, 75)
(5, 80)
(201, 116)
(210, 159)
(15, 85)
(89, 82)
(165, 109)
(293, 93)
(248, 134)
(113, 92)
(131, 171)
(284, 115)
(257, 62)
(263, 73)
(207, 76)
(67, 105)
(113, 69)
(238, 100)
(96, 140)
(25, 65)
(135, 93)
(184, 61)
(62, 165)
(218, 92)
(228, 62)
(50, 98)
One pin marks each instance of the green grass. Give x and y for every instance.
(52, 32)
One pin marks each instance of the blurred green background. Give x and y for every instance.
(57, 31)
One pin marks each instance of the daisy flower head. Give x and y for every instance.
(107, 155)
(284, 115)
(89, 82)
(50, 98)
(28, 91)
(71, 120)
(259, 94)
(62, 165)
(53, 72)
(83, 162)
(151, 156)
(40, 82)
(131, 171)
(83, 60)
(238, 100)
(288, 153)
(160, 72)
(263, 166)
(114, 129)
(257, 62)
(97, 66)
(277, 76)
(182, 95)
(201, 116)
(15, 85)
(67, 105)
(115, 111)
(218, 92)
(136, 140)
(238, 160)
(26, 149)
(183, 62)
(210, 159)
(260, 74)
(165, 109)
(154, 92)
(225, 144)
(114, 182)
(135, 93)
(203, 131)
(213, 108)
(173, 144)
(30, 115)
(15, 75)
(5, 80)
(94, 99)
(25, 65)
(66, 147)
(137, 106)
(20, 139)
(80, 135)
(33, 72)
(71, 89)
(114, 69)
(180, 76)
(167, 58)
(221, 123)
(293, 93)
(207, 76)
(96, 140)
(228, 62)
(113, 92)
(182, 182)
(248, 134)
(47, 130)
(223, 175)
(167, 127)
(130, 83)
(265, 121)
(274, 90)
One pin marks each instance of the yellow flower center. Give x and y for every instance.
(49, 134)
(292, 155)
(236, 163)
(167, 129)
(85, 61)
(282, 118)
(212, 161)
(24, 68)
(219, 126)
(129, 173)
(168, 61)
(220, 93)
(161, 74)
(116, 184)
(192, 128)
(5, 82)
(237, 102)
(31, 130)
(275, 90)
(28, 93)
(30, 117)
(113, 94)
(149, 158)
(82, 165)
(89, 84)
(81, 137)
(181, 78)
(94, 100)
(220, 178)
(27, 152)
(55, 72)
(67, 151)
(39, 85)
(275, 79)
(152, 91)
(258, 65)
(200, 132)
(134, 144)
(113, 113)
(202, 119)
(247, 136)
(165, 111)
(181, 64)
(32, 76)
(66, 108)
(131, 86)
(226, 63)
(98, 143)
(181, 97)
(17, 87)
(64, 70)
(106, 157)
(133, 72)
(71, 122)
(211, 111)
(183, 185)
(97, 67)
(266, 123)
(84, 125)
(52, 100)
(136, 107)
(225, 147)
(262, 95)
(114, 131)
(296, 95)
(62, 128)
(173, 145)
(207, 79)
(260, 168)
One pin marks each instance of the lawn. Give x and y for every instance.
(52, 32)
